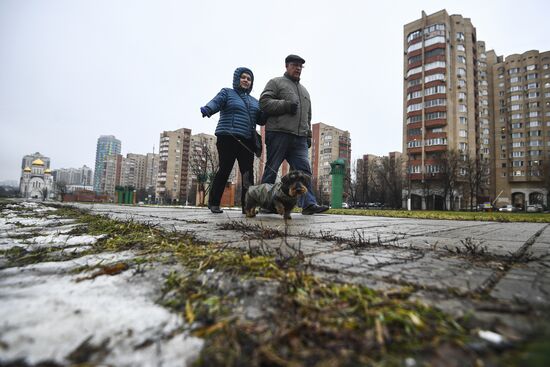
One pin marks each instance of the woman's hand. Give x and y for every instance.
(206, 112)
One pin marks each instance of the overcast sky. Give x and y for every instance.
(72, 70)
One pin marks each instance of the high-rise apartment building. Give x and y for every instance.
(521, 107)
(151, 171)
(111, 174)
(106, 144)
(328, 143)
(471, 114)
(74, 176)
(174, 150)
(440, 98)
(134, 171)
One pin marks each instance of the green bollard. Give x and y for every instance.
(337, 171)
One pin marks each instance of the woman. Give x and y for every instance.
(236, 134)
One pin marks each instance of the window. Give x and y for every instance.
(463, 133)
(413, 119)
(515, 107)
(460, 36)
(414, 107)
(535, 133)
(433, 77)
(517, 135)
(434, 65)
(514, 79)
(519, 173)
(435, 102)
(532, 76)
(463, 120)
(517, 154)
(432, 168)
(435, 90)
(518, 144)
(533, 95)
(434, 40)
(531, 67)
(414, 82)
(436, 130)
(534, 114)
(517, 163)
(436, 141)
(515, 88)
(461, 72)
(462, 147)
(461, 96)
(414, 144)
(533, 85)
(414, 169)
(414, 71)
(534, 124)
(434, 52)
(517, 125)
(434, 28)
(436, 115)
(416, 94)
(462, 108)
(414, 35)
(415, 59)
(513, 71)
(516, 97)
(460, 48)
(461, 59)
(516, 116)
(414, 47)
(417, 131)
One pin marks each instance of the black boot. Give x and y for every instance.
(215, 209)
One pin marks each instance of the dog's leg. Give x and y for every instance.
(280, 207)
(287, 214)
(249, 206)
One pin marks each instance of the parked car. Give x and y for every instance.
(508, 208)
(535, 208)
(485, 207)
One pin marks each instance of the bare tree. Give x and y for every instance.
(352, 183)
(389, 177)
(203, 163)
(61, 189)
(449, 171)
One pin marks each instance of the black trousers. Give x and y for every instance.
(230, 149)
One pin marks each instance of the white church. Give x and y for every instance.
(36, 178)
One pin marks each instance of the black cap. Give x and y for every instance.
(294, 58)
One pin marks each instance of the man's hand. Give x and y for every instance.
(293, 108)
(309, 142)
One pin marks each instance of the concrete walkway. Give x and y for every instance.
(496, 273)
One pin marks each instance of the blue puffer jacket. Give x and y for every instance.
(239, 111)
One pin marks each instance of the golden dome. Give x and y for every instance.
(27, 169)
(37, 162)
(48, 171)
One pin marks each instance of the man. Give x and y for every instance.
(288, 129)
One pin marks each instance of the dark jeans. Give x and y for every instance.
(293, 148)
(229, 149)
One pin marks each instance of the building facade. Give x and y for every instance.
(174, 150)
(521, 108)
(106, 144)
(328, 143)
(470, 117)
(74, 176)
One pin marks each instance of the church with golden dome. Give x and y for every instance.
(36, 177)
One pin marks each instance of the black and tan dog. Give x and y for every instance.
(280, 197)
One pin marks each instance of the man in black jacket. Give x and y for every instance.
(288, 128)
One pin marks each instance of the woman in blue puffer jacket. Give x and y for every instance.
(236, 133)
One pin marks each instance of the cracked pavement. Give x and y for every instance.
(498, 273)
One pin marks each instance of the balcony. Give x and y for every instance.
(435, 123)
(436, 148)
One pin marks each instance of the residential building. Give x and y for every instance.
(521, 106)
(74, 176)
(111, 174)
(440, 101)
(133, 171)
(328, 144)
(174, 150)
(475, 125)
(106, 144)
(378, 179)
(151, 171)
